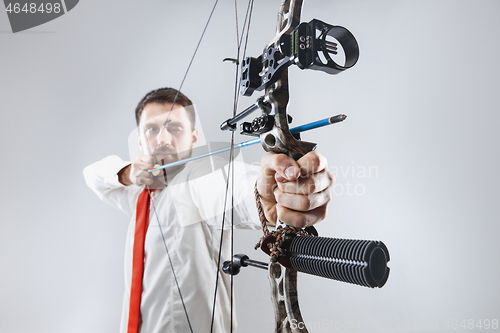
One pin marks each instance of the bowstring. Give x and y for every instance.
(165, 124)
(246, 23)
(230, 171)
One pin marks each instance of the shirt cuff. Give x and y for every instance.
(113, 165)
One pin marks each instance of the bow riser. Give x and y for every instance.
(283, 280)
(279, 139)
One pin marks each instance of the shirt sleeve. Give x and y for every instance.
(246, 209)
(204, 188)
(102, 178)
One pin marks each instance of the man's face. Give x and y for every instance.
(172, 143)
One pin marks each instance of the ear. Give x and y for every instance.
(194, 137)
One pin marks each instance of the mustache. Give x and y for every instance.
(164, 150)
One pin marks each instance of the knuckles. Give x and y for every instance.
(314, 160)
(281, 162)
(281, 159)
(311, 163)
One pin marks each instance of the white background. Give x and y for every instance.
(422, 107)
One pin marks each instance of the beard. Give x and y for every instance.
(166, 156)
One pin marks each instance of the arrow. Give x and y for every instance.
(295, 130)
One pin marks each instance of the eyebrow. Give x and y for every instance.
(174, 123)
(169, 122)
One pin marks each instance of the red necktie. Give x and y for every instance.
(141, 226)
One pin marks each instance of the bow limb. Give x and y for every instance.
(288, 18)
(285, 299)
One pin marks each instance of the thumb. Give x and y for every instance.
(282, 167)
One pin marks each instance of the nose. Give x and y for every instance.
(164, 137)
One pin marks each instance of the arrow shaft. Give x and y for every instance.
(295, 130)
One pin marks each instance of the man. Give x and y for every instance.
(181, 246)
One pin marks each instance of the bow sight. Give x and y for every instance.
(312, 45)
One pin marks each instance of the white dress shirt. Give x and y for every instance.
(186, 218)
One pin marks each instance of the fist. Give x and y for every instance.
(136, 173)
(295, 192)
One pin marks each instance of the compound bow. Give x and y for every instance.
(313, 45)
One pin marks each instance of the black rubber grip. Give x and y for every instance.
(361, 262)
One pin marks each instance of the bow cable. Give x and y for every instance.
(230, 171)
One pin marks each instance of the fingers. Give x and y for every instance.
(308, 185)
(303, 210)
(144, 178)
(301, 190)
(311, 163)
(138, 173)
(285, 168)
(303, 203)
(299, 219)
(280, 166)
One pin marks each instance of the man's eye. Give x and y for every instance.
(151, 130)
(174, 129)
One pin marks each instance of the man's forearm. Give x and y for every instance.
(124, 176)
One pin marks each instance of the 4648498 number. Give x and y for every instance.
(472, 324)
(33, 8)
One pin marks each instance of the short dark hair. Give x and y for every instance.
(162, 96)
